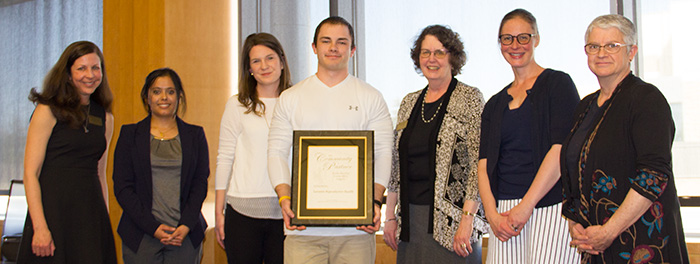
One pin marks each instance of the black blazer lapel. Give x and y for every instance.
(142, 144)
(187, 143)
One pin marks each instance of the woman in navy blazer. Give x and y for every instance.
(161, 165)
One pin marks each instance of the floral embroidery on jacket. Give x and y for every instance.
(603, 183)
(611, 165)
(651, 181)
(657, 212)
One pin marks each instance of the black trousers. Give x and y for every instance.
(253, 240)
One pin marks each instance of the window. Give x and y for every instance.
(34, 34)
(392, 27)
(664, 40)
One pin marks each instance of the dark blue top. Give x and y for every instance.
(553, 97)
(578, 137)
(516, 168)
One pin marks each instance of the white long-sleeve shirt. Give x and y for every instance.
(311, 105)
(243, 139)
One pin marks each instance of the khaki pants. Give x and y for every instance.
(330, 249)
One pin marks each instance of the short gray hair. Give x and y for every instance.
(623, 24)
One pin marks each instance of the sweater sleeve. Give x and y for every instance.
(231, 126)
(485, 125)
(652, 136)
(475, 106)
(563, 100)
(394, 180)
(380, 123)
(280, 143)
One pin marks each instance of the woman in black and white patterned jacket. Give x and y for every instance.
(434, 178)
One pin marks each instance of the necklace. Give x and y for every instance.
(422, 110)
(162, 133)
(87, 118)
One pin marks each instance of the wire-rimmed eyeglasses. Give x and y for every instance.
(609, 48)
(439, 53)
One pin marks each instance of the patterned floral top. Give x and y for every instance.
(455, 163)
(627, 148)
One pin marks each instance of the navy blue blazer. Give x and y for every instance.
(133, 185)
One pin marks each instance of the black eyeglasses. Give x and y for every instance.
(609, 48)
(523, 38)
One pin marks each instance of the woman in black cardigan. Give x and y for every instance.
(619, 193)
(522, 129)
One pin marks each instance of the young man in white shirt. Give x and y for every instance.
(332, 99)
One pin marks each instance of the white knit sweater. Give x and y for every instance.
(311, 105)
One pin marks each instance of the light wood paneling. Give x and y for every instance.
(385, 255)
(197, 46)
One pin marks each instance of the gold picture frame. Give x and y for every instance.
(333, 178)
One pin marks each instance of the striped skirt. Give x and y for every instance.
(544, 239)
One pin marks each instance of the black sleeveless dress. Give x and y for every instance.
(72, 197)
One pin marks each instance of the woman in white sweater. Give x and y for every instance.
(249, 222)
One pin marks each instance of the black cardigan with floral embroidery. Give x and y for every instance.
(627, 148)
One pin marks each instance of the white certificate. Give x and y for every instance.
(332, 177)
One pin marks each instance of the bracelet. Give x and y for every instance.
(283, 198)
(390, 219)
(378, 202)
(469, 213)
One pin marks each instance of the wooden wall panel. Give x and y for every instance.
(118, 52)
(197, 46)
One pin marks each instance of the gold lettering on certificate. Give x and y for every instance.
(332, 177)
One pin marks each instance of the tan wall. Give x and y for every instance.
(191, 37)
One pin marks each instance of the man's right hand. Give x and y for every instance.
(288, 214)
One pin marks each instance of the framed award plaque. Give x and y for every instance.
(332, 178)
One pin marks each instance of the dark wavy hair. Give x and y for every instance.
(336, 20)
(59, 93)
(179, 91)
(449, 39)
(520, 13)
(247, 92)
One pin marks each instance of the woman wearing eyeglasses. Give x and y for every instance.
(438, 218)
(522, 129)
(619, 192)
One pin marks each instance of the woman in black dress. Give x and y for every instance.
(65, 161)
